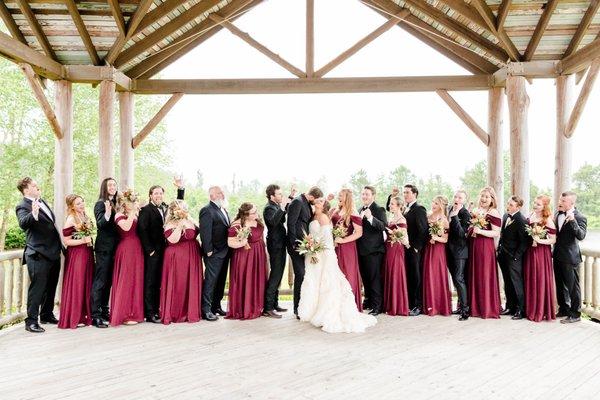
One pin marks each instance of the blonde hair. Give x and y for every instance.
(70, 201)
(126, 197)
(490, 190)
(347, 205)
(443, 203)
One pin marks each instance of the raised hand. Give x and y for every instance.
(395, 191)
(293, 191)
(178, 181)
(330, 196)
(35, 208)
(107, 207)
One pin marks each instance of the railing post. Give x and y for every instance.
(25, 290)
(17, 285)
(8, 290)
(596, 284)
(588, 280)
(2, 271)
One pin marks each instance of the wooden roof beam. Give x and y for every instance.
(115, 9)
(153, 123)
(36, 28)
(488, 16)
(161, 33)
(132, 26)
(502, 14)
(96, 74)
(529, 70)
(582, 27)
(579, 106)
(310, 38)
(580, 59)
(83, 32)
(157, 13)
(540, 29)
(464, 116)
(258, 46)
(10, 23)
(21, 53)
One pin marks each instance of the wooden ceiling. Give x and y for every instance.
(142, 37)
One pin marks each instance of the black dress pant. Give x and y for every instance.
(215, 276)
(413, 277)
(512, 273)
(370, 266)
(101, 283)
(298, 265)
(152, 278)
(568, 291)
(457, 271)
(277, 258)
(43, 277)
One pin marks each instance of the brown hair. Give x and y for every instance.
(23, 183)
(315, 192)
(569, 193)
(104, 190)
(155, 187)
(271, 190)
(517, 200)
(347, 205)
(70, 201)
(412, 188)
(243, 213)
(546, 210)
(326, 207)
(371, 188)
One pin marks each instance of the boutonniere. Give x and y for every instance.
(510, 221)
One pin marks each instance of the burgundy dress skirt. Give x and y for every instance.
(484, 291)
(437, 299)
(347, 256)
(395, 294)
(538, 275)
(127, 295)
(247, 277)
(77, 283)
(181, 283)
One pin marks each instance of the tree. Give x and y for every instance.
(585, 184)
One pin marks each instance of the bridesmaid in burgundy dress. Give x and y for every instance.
(127, 296)
(437, 299)
(395, 294)
(181, 287)
(538, 270)
(75, 308)
(248, 274)
(345, 217)
(484, 293)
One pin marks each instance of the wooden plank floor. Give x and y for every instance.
(421, 357)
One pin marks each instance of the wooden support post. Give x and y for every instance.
(105, 130)
(518, 106)
(146, 130)
(310, 38)
(63, 150)
(495, 156)
(565, 87)
(464, 116)
(126, 107)
(582, 99)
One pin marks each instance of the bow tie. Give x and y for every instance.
(562, 213)
(364, 208)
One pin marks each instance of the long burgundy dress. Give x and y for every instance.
(181, 286)
(539, 282)
(395, 294)
(127, 295)
(484, 293)
(437, 299)
(77, 283)
(247, 277)
(347, 255)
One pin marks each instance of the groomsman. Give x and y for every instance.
(299, 216)
(274, 216)
(107, 240)
(150, 229)
(572, 227)
(511, 249)
(42, 254)
(371, 249)
(457, 250)
(417, 227)
(214, 224)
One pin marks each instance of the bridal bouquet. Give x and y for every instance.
(243, 233)
(310, 246)
(396, 235)
(340, 231)
(83, 230)
(537, 231)
(478, 221)
(179, 214)
(436, 228)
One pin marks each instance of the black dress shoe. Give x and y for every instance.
(457, 311)
(297, 317)
(49, 320)
(271, 314)
(155, 319)
(570, 320)
(219, 311)
(463, 316)
(280, 309)
(105, 316)
(210, 317)
(518, 315)
(506, 311)
(99, 323)
(375, 312)
(561, 314)
(366, 305)
(415, 312)
(34, 328)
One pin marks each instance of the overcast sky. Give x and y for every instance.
(269, 137)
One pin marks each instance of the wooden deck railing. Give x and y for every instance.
(14, 281)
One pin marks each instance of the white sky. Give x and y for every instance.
(270, 137)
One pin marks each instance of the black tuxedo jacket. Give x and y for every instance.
(371, 241)
(213, 230)
(566, 248)
(274, 218)
(108, 236)
(513, 238)
(457, 234)
(299, 216)
(42, 237)
(150, 226)
(417, 226)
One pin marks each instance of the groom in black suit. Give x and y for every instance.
(299, 216)
(214, 224)
(457, 250)
(511, 249)
(371, 250)
(42, 254)
(571, 228)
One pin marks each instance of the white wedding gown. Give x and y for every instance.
(326, 298)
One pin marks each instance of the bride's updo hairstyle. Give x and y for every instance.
(326, 207)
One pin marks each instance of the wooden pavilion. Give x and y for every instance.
(122, 44)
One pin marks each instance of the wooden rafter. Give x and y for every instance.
(581, 58)
(466, 10)
(464, 116)
(586, 89)
(10, 23)
(153, 123)
(188, 41)
(540, 29)
(391, 22)
(36, 28)
(21, 53)
(502, 14)
(132, 27)
(159, 12)
(164, 31)
(488, 16)
(310, 38)
(582, 27)
(83, 32)
(39, 94)
(115, 9)
(258, 46)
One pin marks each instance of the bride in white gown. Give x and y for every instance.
(326, 298)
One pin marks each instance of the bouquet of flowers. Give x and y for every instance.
(478, 221)
(242, 233)
(83, 230)
(129, 195)
(340, 231)
(179, 214)
(396, 235)
(311, 246)
(537, 231)
(436, 228)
